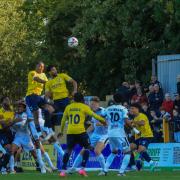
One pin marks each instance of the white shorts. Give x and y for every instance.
(24, 141)
(94, 139)
(119, 143)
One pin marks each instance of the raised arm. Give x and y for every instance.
(74, 84)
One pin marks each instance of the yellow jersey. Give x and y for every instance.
(57, 86)
(76, 114)
(33, 86)
(6, 115)
(146, 129)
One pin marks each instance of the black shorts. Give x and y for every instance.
(6, 137)
(143, 142)
(59, 106)
(81, 139)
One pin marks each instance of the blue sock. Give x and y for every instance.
(85, 158)
(65, 160)
(145, 156)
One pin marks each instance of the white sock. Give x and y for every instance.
(77, 161)
(125, 163)
(11, 163)
(101, 161)
(48, 160)
(39, 158)
(59, 149)
(109, 161)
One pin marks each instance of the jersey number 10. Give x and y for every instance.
(74, 119)
(114, 116)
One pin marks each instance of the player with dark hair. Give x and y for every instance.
(98, 137)
(75, 114)
(36, 81)
(117, 116)
(142, 140)
(56, 89)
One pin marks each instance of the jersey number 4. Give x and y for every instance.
(74, 119)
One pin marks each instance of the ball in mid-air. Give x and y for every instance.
(72, 42)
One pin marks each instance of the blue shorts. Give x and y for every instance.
(143, 142)
(59, 106)
(34, 102)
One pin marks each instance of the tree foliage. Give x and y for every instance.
(118, 39)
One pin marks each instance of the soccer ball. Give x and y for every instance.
(72, 42)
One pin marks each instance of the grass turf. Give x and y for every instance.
(31, 175)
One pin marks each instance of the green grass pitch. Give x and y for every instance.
(31, 175)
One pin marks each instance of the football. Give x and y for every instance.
(72, 42)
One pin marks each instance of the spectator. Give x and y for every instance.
(164, 115)
(156, 124)
(124, 91)
(145, 109)
(132, 90)
(168, 104)
(176, 121)
(177, 102)
(138, 84)
(178, 84)
(150, 90)
(155, 98)
(155, 81)
(139, 97)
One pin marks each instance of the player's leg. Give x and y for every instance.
(127, 155)
(114, 146)
(98, 151)
(142, 149)
(76, 162)
(14, 148)
(71, 142)
(4, 160)
(17, 160)
(47, 158)
(132, 163)
(84, 141)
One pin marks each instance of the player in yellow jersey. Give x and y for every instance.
(34, 101)
(56, 89)
(75, 114)
(142, 140)
(36, 82)
(6, 119)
